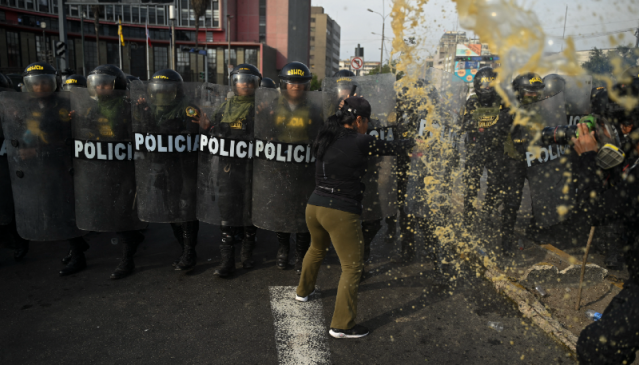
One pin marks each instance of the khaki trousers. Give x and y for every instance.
(345, 231)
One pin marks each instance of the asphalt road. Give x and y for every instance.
(159, 316)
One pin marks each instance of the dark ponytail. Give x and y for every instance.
(331, 131)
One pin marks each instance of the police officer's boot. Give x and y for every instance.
(248, 244)
(284, 240)
(178, 232)
(369, 231)
(189, 256)
(21, 247)
(228, 253)
(77, 262)
(391, 231)
(130, 242)
(302, 243)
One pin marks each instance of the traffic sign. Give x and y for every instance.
(60, 48)
(357, 63)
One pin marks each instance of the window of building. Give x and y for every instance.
(312, 29)
(313, 20)
(90, 54)
(73, 11)
(135, 14)
(3, 17)
(44, 5)
(184, 13)
(113, 54)
(13, 49)
(127, 14)
(70, 54)
(109, 12)
(29, 4)
(151, 14)
(160, 58)
(117, 13)
(212, 64)
(312, 48)
(184, 64)
(209, 36)
(42, 48)
(250, 56)
(143, 14)
(21, 3)
(161, 19)
(312, 39)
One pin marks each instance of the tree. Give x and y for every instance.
(386, 69)
(97, 12)
(600, 62)
(315, 83)
(199, 8)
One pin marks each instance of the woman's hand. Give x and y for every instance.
(586, 141)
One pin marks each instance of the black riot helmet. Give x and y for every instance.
(553, 85)
(165, 87)
(295, 73)
(531, 83)
(5, 82)
(74, 81)
(482, 84)
(41, 77)
(248, 77)
(103, 80)
(344, 73)
(268, 83)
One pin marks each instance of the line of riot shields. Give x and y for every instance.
(76, 162)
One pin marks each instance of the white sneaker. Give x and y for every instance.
(303, 299)
(356, 332)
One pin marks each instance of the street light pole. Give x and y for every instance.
(84, 67)
(172, 17)
(43, 46)
(228, 38)
(381, 56)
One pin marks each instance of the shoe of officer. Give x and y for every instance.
(178, 233)
(21, 248)
(302, 243)
(248, 245)
(189, 255)
(227, 250)
(130, 243)
(284, 240)
(77, 262)
(356, 332)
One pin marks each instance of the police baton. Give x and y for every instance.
(583, 266)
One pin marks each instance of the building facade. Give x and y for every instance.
(245, 23)
(368, 66)
(325, 44)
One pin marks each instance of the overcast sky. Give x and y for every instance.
(585, 18)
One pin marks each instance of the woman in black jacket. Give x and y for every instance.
(333, 213)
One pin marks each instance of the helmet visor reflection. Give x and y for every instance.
(100, 85)
(39, 83)
(244, 84)
(162, 93)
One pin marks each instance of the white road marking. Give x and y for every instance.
(300, 333)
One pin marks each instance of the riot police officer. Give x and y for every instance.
(482, 145)
(9, 234)
(74, 81)
(234, 120)
(40, 162)
(105, 188)
(166, 176)
(291, 118)
(528, 88)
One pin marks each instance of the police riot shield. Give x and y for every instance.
(38, 129)
(547, 169)
(225, 167)
(436, 154)
(283, 165)
(165, 145)
(6, 196)
(380, 195)
(104, 174)
(577, 95)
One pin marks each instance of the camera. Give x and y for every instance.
(563, 134)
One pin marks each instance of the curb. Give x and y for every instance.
(532, 308)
